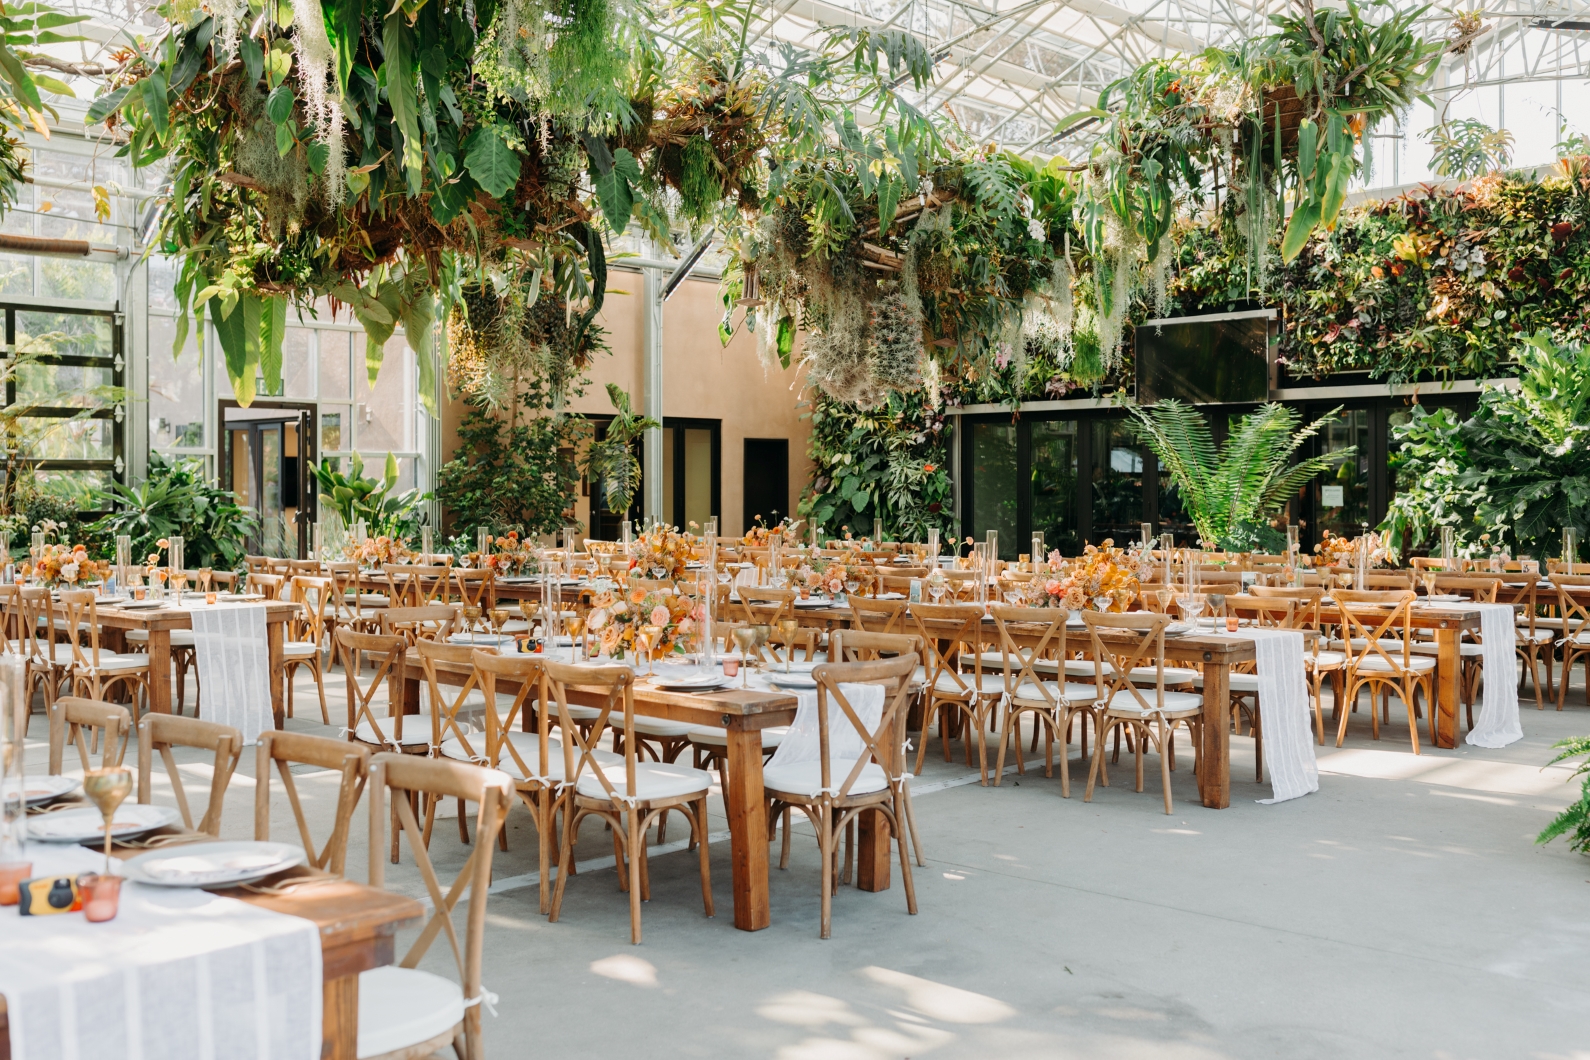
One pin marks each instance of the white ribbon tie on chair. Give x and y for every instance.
(1497, 725)
(1284, 703)
(803, 742)
(234, 666)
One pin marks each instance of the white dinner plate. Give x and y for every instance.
(85, 825)
(690, 683)
(212, 864)
(142, 605)
(815, 601)
(40, 790)
(792, 680)
(890, 596)
(482, 640)
(1176, 629)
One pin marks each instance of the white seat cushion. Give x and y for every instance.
(297, 649)
(1582, 637)
(115, 664)
(1540, 636)
(991, 685)
(1377, 664)
(400, 1007)
(1325, 660)
(1176, 703)
(1465, 647)
(1545, 623)
(1174, 675)
(528, 744)
(653, 780)
(416, 731)
(180, 638)
(1074, 693)
(660, 727)
(708, 736)
(372, 600)
(806, 778)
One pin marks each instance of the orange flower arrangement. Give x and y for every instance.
(616, 617)
(661, 548)
(65, 564)
(1105, 578)
(379, 550)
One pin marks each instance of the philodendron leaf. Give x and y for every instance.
(492, 163)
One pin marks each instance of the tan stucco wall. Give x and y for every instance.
(702, 379)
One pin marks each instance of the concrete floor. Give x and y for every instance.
(1402, 911)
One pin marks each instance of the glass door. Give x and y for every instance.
(266, 460)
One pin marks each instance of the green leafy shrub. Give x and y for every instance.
(176, 498)
(1573, 822)
(511, 475)
(353, 497)
(889, 462)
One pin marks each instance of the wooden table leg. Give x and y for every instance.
(160, 670)
(1448, 669)
(339, 1025)
(1216, 779)
(873, 833)
(745, 803)
(273, 637)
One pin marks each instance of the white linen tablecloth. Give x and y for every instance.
(234, 666)
(1497, 725)
(1284, 704)
(179, 975)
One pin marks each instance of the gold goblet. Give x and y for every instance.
(108, 788)
(788, 626)
(764, 633)
(745, 640)
(499, 618)
(653, 638)
(471, 613)
(574, 622)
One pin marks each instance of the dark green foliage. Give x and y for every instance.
(889, 462)
(512, 475)
(353, 497)
(1573, 822)
(611, 459)
(176, 499)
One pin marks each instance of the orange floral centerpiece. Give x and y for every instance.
(65, 565)
(1105, 578)
(787, 532)
(662, 548)
(616, 616)
(513, 555)
(834, 573)
(1337, 551)
(375, 551)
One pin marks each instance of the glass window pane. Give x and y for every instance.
(384, 415)
(298, 380)
(76, 486)
(77, 281)
(65, 334)
(334, 435)
(63, 386)
(1117, 476)
(1341, 495)
(1054, 486)
(334, 365)
(16, 273)
(993, 480)
(49, 438)
(177, 410)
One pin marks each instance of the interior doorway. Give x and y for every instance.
(766, 482)
(266, 456)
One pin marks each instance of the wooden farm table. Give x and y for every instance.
(744, 713)
(158, 622)
(1448, 621)
(357, 928)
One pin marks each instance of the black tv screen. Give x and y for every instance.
(1221, 359)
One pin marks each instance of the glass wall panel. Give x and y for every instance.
(1054, 486)
(298, 366)
(50, 438)
(176, 390)
(334, 377)
(384, 415)
(64, 334)
(992, 477)
(1341, 498)
(1116, 473)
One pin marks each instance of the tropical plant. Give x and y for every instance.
(510, 475)
(1228, 490)
(610, 459)
(888, 462)
(1428, 460)
(23, 28)
(176, 498)
(353, 497)
(1574, 821)
(1465, 148)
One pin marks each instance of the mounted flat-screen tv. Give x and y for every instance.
(1218, 359)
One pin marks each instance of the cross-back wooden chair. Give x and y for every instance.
(628, 797)
(416, 585)
(72, 719)
(389, 655)
(1481, 588)
(871, 615)
(287, 749)
(534, 760)
(258, 564)
(95, 672)
(1573, 605)
(349, 604)
(951, 632)
(162, 732)
(48, 663)
(454, 709)
(1376, 626)
(1133, 640)
(858, 766)
(1029, 636)
(403, 1012)
(474, 586)
(267, 585)
(428, 622)
(306, 635)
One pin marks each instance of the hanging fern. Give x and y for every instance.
(1573, 822)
